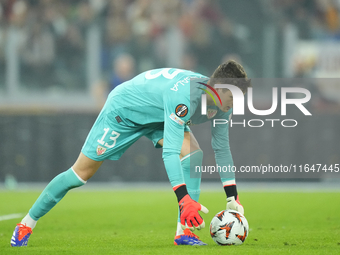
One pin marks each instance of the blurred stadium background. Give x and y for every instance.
(60, 59)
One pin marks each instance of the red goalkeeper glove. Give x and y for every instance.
(189, 213)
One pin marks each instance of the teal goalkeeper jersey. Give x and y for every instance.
(171, 96)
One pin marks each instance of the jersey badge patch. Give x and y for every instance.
(176, 119)
(181, 110)
(211, 113)
(100, 150)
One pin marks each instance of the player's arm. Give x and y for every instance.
(223, 157)
(176, 114)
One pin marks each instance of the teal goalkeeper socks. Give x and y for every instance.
(188, 163)
(54, 192)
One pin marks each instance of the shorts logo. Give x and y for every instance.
(118, 119)
(181, 110)
(176, 119)
(100, 150)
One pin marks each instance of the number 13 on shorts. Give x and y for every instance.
(113, 138)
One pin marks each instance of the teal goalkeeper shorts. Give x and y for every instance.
(111, 135)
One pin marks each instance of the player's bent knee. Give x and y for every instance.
(85, 167)
(189, 145)
(195, 155)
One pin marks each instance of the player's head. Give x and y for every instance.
(232, 73)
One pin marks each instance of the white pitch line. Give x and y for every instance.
(11, 216)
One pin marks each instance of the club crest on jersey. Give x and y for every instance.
(181, 110)
(100, 150)
(176, 119)
(211, 113)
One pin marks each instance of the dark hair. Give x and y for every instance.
(233, 73)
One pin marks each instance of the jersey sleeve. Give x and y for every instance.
(176, 114)
(221, 147)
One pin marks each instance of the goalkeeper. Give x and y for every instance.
(158, 104)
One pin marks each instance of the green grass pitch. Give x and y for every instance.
(143, 222)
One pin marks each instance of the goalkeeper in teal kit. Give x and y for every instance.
(158, 104)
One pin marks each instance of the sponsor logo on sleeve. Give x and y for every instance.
(176, 119)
